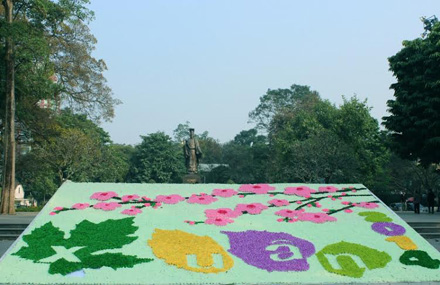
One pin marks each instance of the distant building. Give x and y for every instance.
(208, 167)
(20, 201)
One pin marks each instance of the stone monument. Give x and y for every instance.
(192, 153)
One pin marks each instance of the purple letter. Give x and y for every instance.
(271, 251)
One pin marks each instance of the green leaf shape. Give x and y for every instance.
(372, 258)
(375, 217)
(107, 235)
(95, 237)
(40, 242)
(112, 260)
(421, 257)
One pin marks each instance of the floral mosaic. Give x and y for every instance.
(234, 233)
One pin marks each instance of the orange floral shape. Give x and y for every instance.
(175, 247)
(403, 242)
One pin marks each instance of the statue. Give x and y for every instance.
(192, 152)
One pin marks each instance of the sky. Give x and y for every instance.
(208, 62)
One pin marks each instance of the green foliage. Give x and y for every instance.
(355, 126)
(248, 157)
(414, 120)
(321, 157)
(181, 133)
(275, 101)
(52, 52)
(319, 142)
(75, 148)
(114, 164)
(211, 148)
(409, 176)
(157, 158)
(90, 238)
(220, 174)
(29, 209)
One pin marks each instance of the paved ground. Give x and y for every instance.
(19, 218)
(422, 217)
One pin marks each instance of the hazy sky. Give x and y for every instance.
(208, 62)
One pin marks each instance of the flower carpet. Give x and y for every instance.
(217, 234)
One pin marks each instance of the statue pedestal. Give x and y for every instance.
(191, 178)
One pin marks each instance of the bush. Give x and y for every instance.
(29, 209)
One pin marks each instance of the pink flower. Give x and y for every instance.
(202, 199)
(133, 211)
(52, 213)
(145, 198)
(107, 206)
(225, 193)
(325, 210)
(288, 213)
(278, 202)
(256, 188)
(127, 198)
(327, 189)
(253, 208)
(302, 191)
(345, 203)
(348, 211)
(80, 206)
(169, 199)
(316, 217)
(58, 208)
(367, 205)
(222, 213)
(219, 221)
(103, 196)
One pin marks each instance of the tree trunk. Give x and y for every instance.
(8, 193)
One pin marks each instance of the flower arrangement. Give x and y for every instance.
(251, 233)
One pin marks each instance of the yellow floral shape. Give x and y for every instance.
(175, 247)
(403, 242)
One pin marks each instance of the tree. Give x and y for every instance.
(51, 60)
(322, 157)
(157, 159)
(114, 164)
(274, 101)
(355, 126)
(248, 157)
(320, 142)
(181, 133)
(73, 147)
(7, 205)
(414, 120)
(73, 155)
